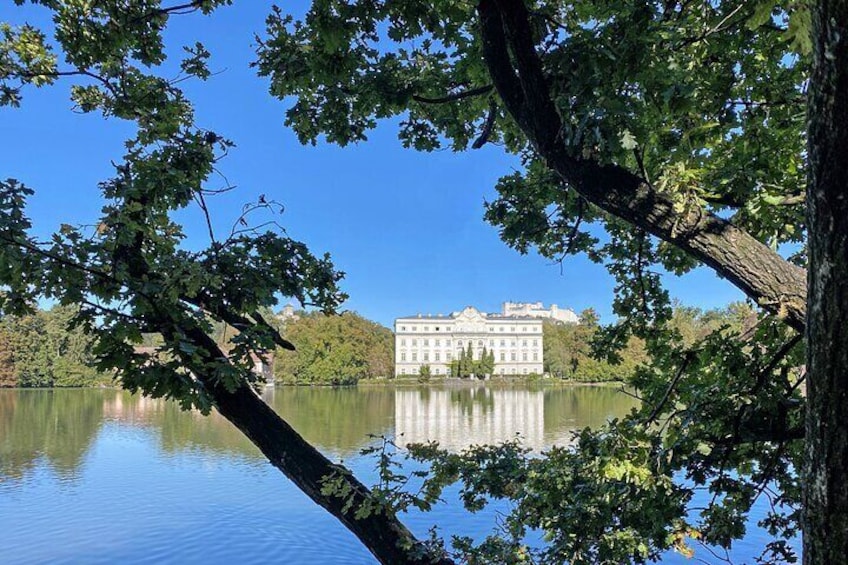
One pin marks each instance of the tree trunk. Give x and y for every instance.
(383, 534)
(825, 521)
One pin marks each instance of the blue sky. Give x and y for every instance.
(406, 227)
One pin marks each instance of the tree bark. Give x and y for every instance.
(382, 533)
(825, 520)
(508, 48)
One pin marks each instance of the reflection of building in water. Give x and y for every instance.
(463, 417)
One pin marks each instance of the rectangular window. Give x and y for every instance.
(501, 328)
(415, 356)
(438, 356)
(447, 342)
(511, 356)
(535, 356)
(403, 328)
(403, 356)
(426, 328)
(523, 342)
(438, 342)
(427, 356)
(426, 342)
(524, 329)
(524, 356)
(535, 343)
(503, 356)
(403, 370)
(448, 355)
(503, 343)
(403, 342)
(414, 342)
(491, 343)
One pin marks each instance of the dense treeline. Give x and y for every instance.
(570, 352)
(334, 350)
(40, 350)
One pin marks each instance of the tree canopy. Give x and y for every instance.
(653, 136)
(335, 350)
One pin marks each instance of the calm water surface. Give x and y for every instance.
(100, 476)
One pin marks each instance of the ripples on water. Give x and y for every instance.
(99, 476)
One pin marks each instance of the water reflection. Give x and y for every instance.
(461, 418)
(58, 427)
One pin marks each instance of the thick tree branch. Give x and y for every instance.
(382, 533)
(455, 96)
(516, 70)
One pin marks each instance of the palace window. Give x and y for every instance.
(503, 343)
(437, 343)
(427, 356)
(535, 356)
(523, 342)
(403, 355)
(511, 356)
(503, 356)
(437, 356)
(403, 342)
(415, 356)
(523, 356)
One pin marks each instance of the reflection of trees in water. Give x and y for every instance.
(337, 419)
(577, 407)
(56, 426)
(59, 426)
(469, 400)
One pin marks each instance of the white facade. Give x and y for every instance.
(538, 310)
(516, 342)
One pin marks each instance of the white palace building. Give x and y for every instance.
(514, 336)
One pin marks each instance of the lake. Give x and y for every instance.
(101, 476)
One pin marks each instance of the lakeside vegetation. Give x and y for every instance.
(41, 350)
